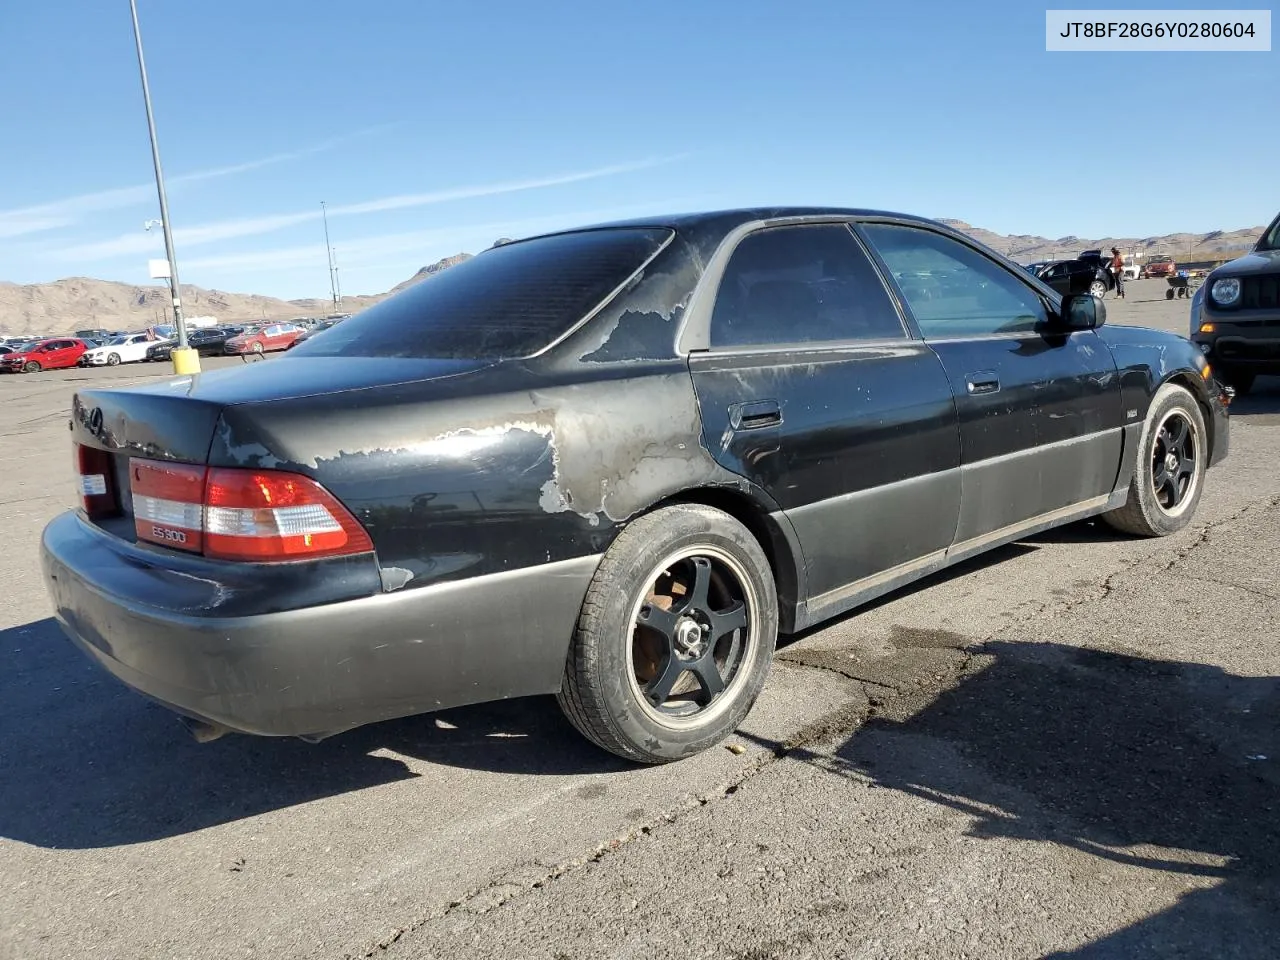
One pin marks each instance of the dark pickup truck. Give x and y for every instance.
(1235, 314)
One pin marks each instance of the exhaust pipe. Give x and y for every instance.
(202, 730)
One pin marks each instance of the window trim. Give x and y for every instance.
(1049, 298)
(694, 334)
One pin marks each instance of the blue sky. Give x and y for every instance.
(432, 128)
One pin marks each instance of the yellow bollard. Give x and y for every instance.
(185, 360)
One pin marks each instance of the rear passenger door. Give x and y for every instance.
(1040, 407)
(811, 386)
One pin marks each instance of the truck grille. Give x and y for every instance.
(1235, 349)
(1260, 293)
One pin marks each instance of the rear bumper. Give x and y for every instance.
(320, 669)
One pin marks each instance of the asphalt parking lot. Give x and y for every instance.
(1067, 748)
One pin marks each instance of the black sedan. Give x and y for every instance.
(610, 464)
(206, 341)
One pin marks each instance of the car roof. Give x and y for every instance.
(721, 222)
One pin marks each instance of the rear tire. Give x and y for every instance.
(1168, 477)
(675, 638)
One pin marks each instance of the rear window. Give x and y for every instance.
(510, 301)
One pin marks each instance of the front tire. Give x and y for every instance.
(31, 367)
(113, 360)
(1168, 478)
(676, 636)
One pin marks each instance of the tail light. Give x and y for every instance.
(97, 483)
(168, 503)
(271, 515)
(234, 514)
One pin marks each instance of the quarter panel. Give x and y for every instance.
(510, 469)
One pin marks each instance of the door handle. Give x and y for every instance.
(982, 382)
(754, 414)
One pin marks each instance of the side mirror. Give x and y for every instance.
(1081, 311)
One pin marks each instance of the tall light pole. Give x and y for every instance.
(185, 360)
(333, 269)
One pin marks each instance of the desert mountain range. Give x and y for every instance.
(76, 303)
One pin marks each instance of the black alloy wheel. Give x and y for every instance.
(691, 633)
(1174, 458)
(1169, 463)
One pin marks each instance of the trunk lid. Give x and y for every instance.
(178, 419)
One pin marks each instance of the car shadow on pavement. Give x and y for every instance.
(1168, 766)
(85, 762)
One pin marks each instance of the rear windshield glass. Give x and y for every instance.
(510, 301)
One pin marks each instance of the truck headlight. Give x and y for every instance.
(1225, 292)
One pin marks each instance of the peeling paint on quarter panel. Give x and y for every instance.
(631, 443)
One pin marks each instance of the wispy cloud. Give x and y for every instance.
(185, 237)
(65, 212)
(408, 247)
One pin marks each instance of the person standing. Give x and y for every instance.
(1117, 267)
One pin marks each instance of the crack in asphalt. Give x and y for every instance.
(1237, 585)
(1202, 536)
(840, 722)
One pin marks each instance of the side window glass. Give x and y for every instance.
(801, 284)
(953, 290)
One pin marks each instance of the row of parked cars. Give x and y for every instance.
(94, 348)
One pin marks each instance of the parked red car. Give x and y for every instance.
(44, 355)
(1161, 266)
(264, 339)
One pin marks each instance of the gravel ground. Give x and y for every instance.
(1066, 748)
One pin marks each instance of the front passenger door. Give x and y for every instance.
(1040, 408)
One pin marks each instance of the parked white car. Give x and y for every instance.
(130, 348)
(1131, 271)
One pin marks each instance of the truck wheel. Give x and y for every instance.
(1168, 476)
(675, 638)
